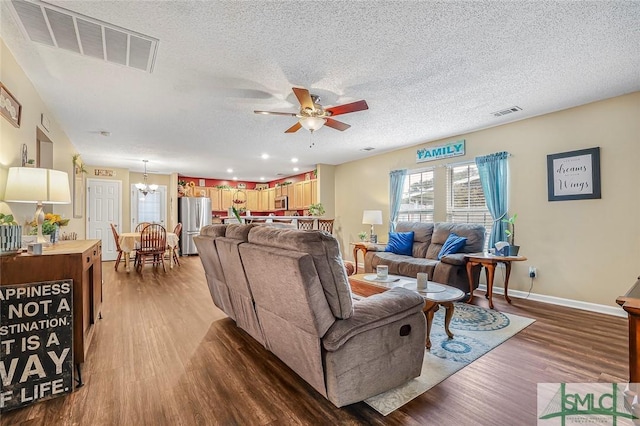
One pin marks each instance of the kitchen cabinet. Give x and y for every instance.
(253, 203)
(263, 200)
(271, 199)
(199, 191)
(284, 191)
(214, 194)
(226, 199)
(296, 202)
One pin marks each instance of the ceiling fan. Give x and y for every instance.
(313, 116)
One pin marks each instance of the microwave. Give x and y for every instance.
(282, 203)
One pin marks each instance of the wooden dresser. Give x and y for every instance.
(630, 302)
(79, 260)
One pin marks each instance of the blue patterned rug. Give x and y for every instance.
(476, 331)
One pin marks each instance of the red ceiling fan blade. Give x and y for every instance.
(346, 108)
(335, 124)
(293, 114)
(304, 98)
(294, 128)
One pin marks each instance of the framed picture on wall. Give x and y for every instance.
(574, 175)
(10, 108)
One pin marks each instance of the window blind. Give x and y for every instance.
(465, 198)
(417, 196)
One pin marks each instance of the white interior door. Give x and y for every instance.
(104, 207)
(149, 208)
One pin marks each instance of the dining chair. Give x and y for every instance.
(153, 244)
(141, 226)
(174, 251)
(306, 224)
(116, 237)
(326, 225)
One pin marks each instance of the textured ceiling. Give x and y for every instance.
(428, 70)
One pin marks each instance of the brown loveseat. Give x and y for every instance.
(428, 239)
(289, 290)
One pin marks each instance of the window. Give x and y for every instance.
(417, 197)
(150, 208)
(465, 198)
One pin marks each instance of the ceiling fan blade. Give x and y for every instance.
(346, 108)
(335, 124)
(304, 98)
(292, 114)
(294, 128)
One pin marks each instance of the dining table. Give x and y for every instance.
(129, 241)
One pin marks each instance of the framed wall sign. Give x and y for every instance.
(574, 175)
(36, 342)
(10, 108)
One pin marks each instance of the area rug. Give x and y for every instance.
(476, 331)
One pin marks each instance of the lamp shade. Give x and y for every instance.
(26, 185)
(372, 217)
(312, 123)
(58, 188)
(34, 185)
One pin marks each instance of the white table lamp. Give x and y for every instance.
(372, 217)
(40, 186)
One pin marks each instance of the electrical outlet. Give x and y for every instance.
(532, 272)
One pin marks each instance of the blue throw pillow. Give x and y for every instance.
(453, 245)
(400, 243)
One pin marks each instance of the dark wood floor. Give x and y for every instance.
(165, 355)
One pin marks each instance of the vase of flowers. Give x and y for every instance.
(50, 226)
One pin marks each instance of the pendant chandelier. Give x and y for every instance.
(144, 187)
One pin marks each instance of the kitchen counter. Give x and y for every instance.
(269, 219)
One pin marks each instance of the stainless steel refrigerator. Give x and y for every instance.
(194, 213)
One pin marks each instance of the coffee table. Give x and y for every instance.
(443, 295)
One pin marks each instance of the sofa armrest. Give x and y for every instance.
(372, 312)
(454, 259)
(375, 246)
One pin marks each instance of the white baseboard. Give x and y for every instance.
(570, 303)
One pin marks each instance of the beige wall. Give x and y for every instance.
(584, 250)
(12, 138)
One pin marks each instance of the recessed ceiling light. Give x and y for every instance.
(265, 156)
(294, 160)
(235, 178)
(261, 177)
(295, 169)
(229, 170)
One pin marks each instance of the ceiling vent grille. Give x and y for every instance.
(506, 111)
(64, 29)
(369, 148)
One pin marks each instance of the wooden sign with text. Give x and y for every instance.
(36, 342)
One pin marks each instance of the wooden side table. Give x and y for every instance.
(489, 262)
(356, 248)
(362, 246)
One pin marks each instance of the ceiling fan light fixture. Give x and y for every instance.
(312, 123)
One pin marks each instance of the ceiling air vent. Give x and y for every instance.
(369, 148)
(506, 111)
(57, 27)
